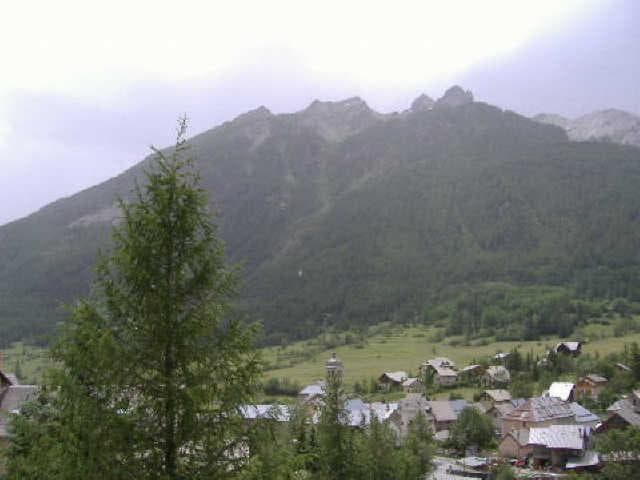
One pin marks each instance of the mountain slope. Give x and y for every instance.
(340, 214)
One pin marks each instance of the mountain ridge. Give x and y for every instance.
(337, 211)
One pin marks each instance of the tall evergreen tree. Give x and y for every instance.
(153, 369)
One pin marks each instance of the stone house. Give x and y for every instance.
(538, 412)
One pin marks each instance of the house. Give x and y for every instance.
(590, 386)
(412, 385)
(515, 444)
(489, 398)
(445, 412)
(496, 376)
(471, 371)
(570, 348)
(408, 409)
(623, 368)
(554, 444)
(538, 412)
(565, 391)
(392, 380)
(442, 370)
(623, 413)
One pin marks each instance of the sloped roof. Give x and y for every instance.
(504, 408)
(313, 389)
(571, 346)
(447, 410)
(360, 413)
(16, 395)
(12, 378)
(624, 409)
(410, 381)
(521, 436)
(470, 368)
(441, 362)
(498, 395)
(596, 378)
(570, 437)
(582, 415)
(561, 390)
(397, 377)
(540, 409)
(445, 372)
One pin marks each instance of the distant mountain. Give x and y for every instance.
(341, 215)
(611, 125)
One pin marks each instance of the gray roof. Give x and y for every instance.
(569, 437)
(498, 395)
(583, 415)
(360, 413)
(447, 410)
(596, 378)
(397, 377)
(540, 409)
(15, 396)
(624, 409)
(571, 346)
(503, 408)
(441, 362)
(411, 381)
(12, 378)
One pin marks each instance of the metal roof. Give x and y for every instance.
(583, 415)
(589, 459)
(561, 390)
(569, 437)
(313, 389)
(540, 409)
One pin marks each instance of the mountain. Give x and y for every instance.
(611, 125)
(341, 215)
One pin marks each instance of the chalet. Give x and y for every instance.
(392, 380)
(590, 386)
(515, 444)
(538, 412)
(496, 376)
(570, 348)
(502, 357)
(442, 369)
(471, 371)
(554, 444)
(489, 398)
(565, 391)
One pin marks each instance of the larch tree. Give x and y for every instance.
(154, 367)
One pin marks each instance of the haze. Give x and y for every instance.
(87, 87)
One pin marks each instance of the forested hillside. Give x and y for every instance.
(343, 216)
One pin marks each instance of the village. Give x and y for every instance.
(545, 436)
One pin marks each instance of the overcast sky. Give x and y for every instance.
(87, 86)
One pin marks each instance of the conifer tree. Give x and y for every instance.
(153, 369)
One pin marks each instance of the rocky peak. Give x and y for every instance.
(423, 102)
(255, 115)
(455, 96)
(349, 105)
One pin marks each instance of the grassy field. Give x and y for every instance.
(406, 349)
(27, 361)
